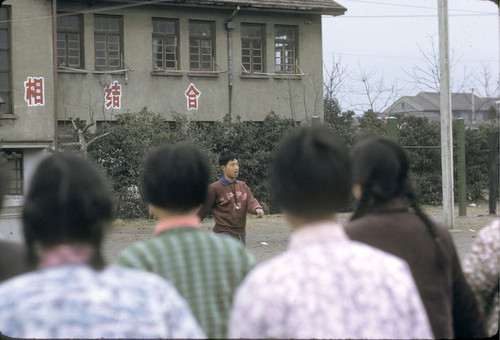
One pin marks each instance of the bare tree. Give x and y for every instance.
(377, 93)
(82, 142)
(483, 82)
(426, 77)
(335, 81)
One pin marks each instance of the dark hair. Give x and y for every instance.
(176, 177)
(311, 174)
(226, 157)
(381, 168)
(4, 184)
(68, 201)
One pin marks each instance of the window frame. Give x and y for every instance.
(7, 94)
(285, 67)
(251, 41)
(67, 31)
(108, 33)
(164, 36)
(199, 38)
(15, 170)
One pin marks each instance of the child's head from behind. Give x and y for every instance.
(380, 168)
(69, 201)
(176, 177)
(311, 174)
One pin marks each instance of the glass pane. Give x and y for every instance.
(4, 81)
(4, 38)
(157, 49)
(113, 38)
(5, 107)
(70, 21)
(100, 54)
(200, 28)
(251, 31)
(98, 22)
(74, 45)
(74, 61)
(100, 38)
(61, 44)
(73, 53)
(100, 62)
(3, 13)
(157, 41)
(4, 60)
(114, 24)
(113, 62)
(113, 55)
(61, 60)
(100, 47)
(114, 47)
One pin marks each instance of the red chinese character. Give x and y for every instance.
(113, 95)
(33, 91)
(192, 95)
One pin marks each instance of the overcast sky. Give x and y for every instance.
(384, 39)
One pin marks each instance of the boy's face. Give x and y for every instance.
(231, 169)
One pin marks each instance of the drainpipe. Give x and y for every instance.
(230, 26)
(54, 71)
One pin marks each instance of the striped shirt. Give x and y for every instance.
(75, 301)
(206, 269)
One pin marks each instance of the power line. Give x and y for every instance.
(412, 6)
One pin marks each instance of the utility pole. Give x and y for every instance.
(473, 108)
(446, 127)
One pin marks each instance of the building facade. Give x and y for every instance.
(93, 60)
(473, 109)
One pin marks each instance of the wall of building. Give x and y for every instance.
(31, 56)
(81, 94)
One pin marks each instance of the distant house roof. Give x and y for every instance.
(430, 102)
(325, 7)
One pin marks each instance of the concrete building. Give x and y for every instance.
(472, 108)
(93, 59)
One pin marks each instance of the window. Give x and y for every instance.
(252, 47)
(69, 41)
(165, 37)
(14, 167)
(107, 41)
(285, 49)
(201, 46)
(5, 88)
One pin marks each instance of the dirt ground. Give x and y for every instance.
(269, 236)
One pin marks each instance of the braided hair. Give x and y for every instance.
(381, 168)
(69, 201)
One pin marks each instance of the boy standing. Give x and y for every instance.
(230, 200)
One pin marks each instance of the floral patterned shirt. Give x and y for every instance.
(482, 273)
(75, 301)
(327, 286)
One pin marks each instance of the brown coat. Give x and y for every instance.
(230, 212)
(448, 299)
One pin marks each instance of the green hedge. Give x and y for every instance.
(121, 152)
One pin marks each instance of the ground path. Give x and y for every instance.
(269, 236)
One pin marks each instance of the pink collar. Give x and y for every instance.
(177, 221)
(66, 254)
